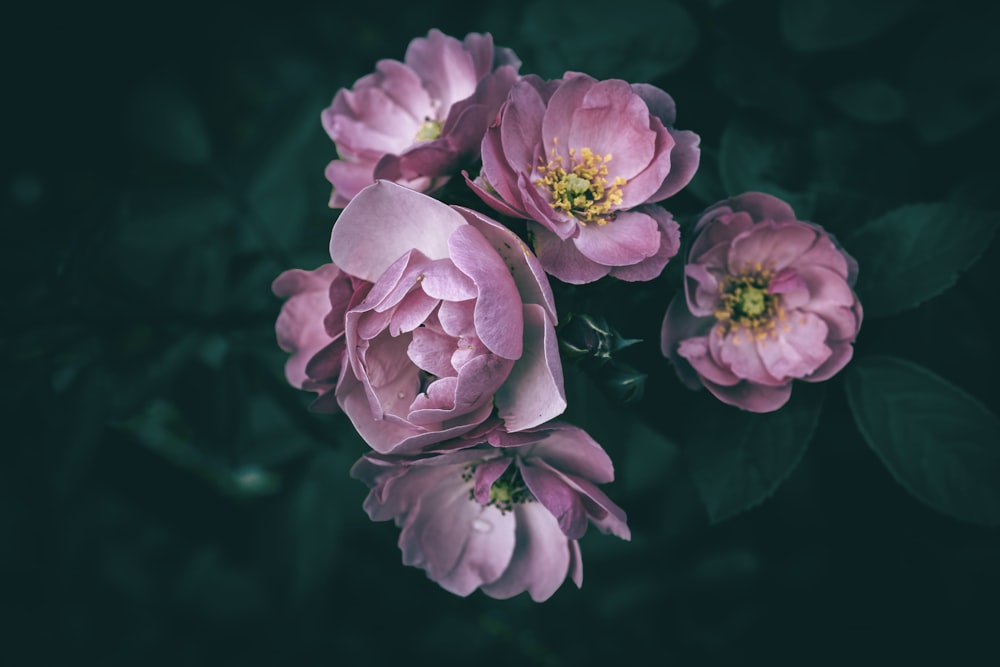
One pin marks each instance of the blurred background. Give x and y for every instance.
(166, 498)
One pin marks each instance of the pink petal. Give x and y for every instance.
(383, 222)
(828, 291)
(697, 353)
(299, 328)
(659, 102)
(450, 398)
(752, 397)
(441, 539)
(612, 120)
(392, 435)
(497, 312)
(701, 287)
(556, 121)
(644, 186)
(771, 244)
(541, 560)
(718, 227)
(431, 351)
(457, 318)
(680, 325)
(685, 156)
(840, 354)
(493, 195)
(558, 498)
(798, 349)
(571, 449)
(628, 239)
(533, 393)
(348, 179)
(563, 260)
(487, 473)
(520, 132)
(606, 516)
(411, 312)
(738, 352)
(761, 206)
(529, 276)
(444, 66)
(403, 86)
(670, 243)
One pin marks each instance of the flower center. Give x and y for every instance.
(746, 304)
(508, 490)
(430, 129)
(582, 188)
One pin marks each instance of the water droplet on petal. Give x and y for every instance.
(401, 395)
(481, 525)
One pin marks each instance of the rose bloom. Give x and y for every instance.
(767, 299)
(583, 160)
(311, 327)
(417, 122)
(503, 516)
(459, 321)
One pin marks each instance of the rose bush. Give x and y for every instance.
(767, 300)
(459, 322)
(417, 122)
(583, 160)
(503, 516)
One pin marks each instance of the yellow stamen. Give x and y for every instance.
(746, 305)
(584, 191)
(431, 129)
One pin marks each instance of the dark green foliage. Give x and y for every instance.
(166, 498)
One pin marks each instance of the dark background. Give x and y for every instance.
(166, 499)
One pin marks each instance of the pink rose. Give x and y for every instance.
(584, 160)
(503, 516)
(768, 299)
(417, 122)
(459, 322)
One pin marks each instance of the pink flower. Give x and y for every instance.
(420, 121)
(459, 322)
(583, 160)
(503, 516)
(311, 327)
(768, 299)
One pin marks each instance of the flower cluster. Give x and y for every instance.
(435, 327)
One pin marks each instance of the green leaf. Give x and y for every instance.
(954, 80)
(870, 101)
(940, 443)
(738, 459)
(280, 167)
(157, 229)
(756, 157)
(650, 458)
(607, 44)
(754, 78)
(915, 252)
(706, 185)
(819, 25)
(165, 119)
(312, 533)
